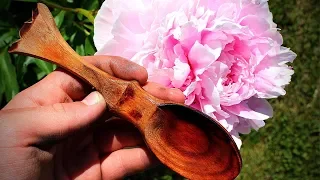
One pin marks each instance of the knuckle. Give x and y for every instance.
(164, 93)
(59, 108)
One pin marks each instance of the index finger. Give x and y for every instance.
(119, 67)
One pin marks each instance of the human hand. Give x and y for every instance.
(55, 130)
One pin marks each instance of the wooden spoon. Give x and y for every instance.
(184, 139)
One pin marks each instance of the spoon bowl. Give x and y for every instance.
(191, 143)
(186, 140)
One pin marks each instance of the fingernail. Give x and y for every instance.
(92, 99)
(177, 95)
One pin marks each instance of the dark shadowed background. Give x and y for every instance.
(288, 147)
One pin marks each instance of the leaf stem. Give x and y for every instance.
(84, 12)
(82, 29)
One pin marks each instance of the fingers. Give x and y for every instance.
(164, 93)
(61, 86)
(118, 162)
(124, 162)
(57, 87)
(120, 67)
(84, 164)
(49, 123)
(116, 134)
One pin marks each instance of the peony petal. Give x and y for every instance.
(190, 88)
(125, 43)
(160, 76)
(273, 34)
(181, 71)
(261, 106)
(106, 17)
(227, 10)
(284, 55)
(131, 20)
(254, 108)
(236, 138)
(266, 89)
(210, 91)
(256, 124)
(243, 126)
(256, 24)
(189, 36)
(278, 76)
(103, 24)
(201, 57)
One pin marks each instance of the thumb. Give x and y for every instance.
(50, 123)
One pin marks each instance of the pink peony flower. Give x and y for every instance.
(225, 55)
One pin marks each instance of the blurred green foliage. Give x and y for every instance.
(287, 148)
(20, 72)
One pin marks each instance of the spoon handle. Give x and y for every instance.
(41, 38)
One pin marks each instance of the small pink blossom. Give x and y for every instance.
(225, 55)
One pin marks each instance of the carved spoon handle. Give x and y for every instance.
(41, 38)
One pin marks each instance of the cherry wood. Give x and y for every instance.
(184, 139)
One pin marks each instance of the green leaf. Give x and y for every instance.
(89, 47)
(80, 50)
(5, 4)
(90, 4)
(40, 74)
(21, 64)
(90, 27)
(59, 18)
(4, 24)
(80, 16)
(45, 67)
(22, 68)
(9, 74)
(7, 37)
(79, 41)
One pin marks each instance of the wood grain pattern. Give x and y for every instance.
(192, 144)
(184, 139)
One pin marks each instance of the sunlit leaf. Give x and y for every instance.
(9, 74)
(46, 67)
(59, 18)
(80, 16)
(89, 47)
(90, 27)
(40, 74)
(80, 50)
